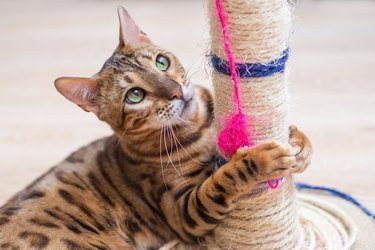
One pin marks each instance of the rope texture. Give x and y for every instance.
(259, 32)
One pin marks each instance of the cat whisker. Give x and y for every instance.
(119, 140)
(165, 145)
(190, 67)
(187, 153)
(198, 61)
(191, 76)
(185, 125)
(161, 158)
(183, 128)
(170, 154)
(207, 62)
(184, 121)
(175, 143)
(188, 70)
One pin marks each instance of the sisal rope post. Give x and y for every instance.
(252, 36)
(259, 31)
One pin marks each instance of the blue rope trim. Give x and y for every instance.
(248, 70)
(340, 194)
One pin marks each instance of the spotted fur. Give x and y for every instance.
(154, 180)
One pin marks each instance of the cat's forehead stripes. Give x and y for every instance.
(137, 69)
(122, 62)
(125, 80)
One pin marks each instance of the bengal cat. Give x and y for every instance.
(154, 179)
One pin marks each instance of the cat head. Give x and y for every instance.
(140, 84)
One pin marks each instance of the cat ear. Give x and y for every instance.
(130, 34)
(81, 91)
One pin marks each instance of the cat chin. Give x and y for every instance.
(188, 112)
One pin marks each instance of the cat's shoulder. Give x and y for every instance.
(88, 152)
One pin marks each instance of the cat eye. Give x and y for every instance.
(162, 63)
(134, 95)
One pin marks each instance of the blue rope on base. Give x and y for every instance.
(337, 193)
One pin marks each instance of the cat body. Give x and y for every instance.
(154, 180)
(101, 196)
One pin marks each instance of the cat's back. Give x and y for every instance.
(28, 219)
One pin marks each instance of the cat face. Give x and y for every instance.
(150, 84)
(140, 84)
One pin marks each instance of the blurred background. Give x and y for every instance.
(332, 80)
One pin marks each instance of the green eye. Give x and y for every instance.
(135, 95)
(162, 63)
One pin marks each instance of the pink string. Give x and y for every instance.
(234, 134)
(273, 184)
(231, 60)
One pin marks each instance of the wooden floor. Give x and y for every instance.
(332, 80)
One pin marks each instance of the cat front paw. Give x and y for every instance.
(302, 149)
(267, 161)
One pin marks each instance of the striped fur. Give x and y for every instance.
(154, 180)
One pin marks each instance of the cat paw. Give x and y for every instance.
(267, 161)
(302, 149)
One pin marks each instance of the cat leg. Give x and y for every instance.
(204, 206)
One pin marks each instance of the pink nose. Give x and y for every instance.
(177, 94)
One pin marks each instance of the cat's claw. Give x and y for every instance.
(302, 149)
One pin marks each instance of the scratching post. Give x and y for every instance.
(259, 31)
(249, 49)
(255, 34)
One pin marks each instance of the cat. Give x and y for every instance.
(154, 180)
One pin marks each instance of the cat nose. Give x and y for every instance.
(176, 94)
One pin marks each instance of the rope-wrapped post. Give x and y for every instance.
(258, 32)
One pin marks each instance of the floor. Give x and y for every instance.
(332, 77)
